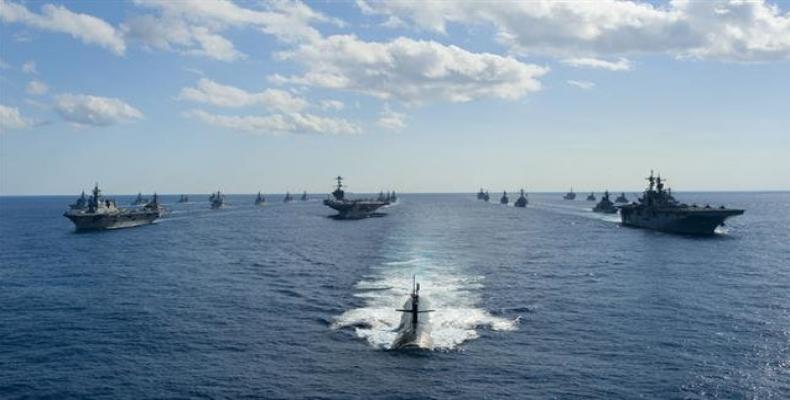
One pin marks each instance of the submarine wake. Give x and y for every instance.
(454, 319)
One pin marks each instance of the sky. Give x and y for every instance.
(191, 96)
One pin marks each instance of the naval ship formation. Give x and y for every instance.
(655, 209)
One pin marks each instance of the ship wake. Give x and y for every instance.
(456, 318)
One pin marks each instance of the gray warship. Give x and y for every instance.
(288, 198)
(139, 200)
(605, 206)
(183, 199)
(504, 199)
(413, 331)
(481, 195)
(658, 210)
(486, 197)
(98, 213)
(304, 196)
(351, 209)
(522, 200)
(392, 198)
(621, 198)
(260, 200)
(570, 195)
(591, 197)
(217, 200)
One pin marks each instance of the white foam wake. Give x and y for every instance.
(456, 319)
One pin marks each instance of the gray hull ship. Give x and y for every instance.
(414, 328)
(352, 209)
(605, 206)
(522, 200)
(98, 213)
(658, 210)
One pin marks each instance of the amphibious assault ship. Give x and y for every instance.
(98, 213)
(658, 210)
(351, 209)
(605, 206)
(522, 200)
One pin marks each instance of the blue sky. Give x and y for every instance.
(191, 96)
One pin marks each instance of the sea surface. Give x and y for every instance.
(280, 301)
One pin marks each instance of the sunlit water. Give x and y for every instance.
(281, 302)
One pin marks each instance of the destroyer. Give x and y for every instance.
(217, 200)
(413, 333)
(288, 198)
(605, 206)
(570, 195)
(504, 199)
(352, 209)
(140, 200)
(591, 197)
(481, 195)
(100, 213)
(621, 199)
(304, 196)
(658, 210)
(260, 200)
(522, 200)
(183, 199)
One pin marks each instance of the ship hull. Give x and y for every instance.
(697, 222)
(110, 221)
(354, 209)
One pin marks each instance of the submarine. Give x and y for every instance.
(414, 330)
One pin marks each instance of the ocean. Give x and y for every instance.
(280, 301)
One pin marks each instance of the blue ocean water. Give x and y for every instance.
(280, 301)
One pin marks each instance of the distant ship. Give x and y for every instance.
(591, 197)
(381, 197)
(414, 330)
(570, 195)
(605, 205)
(217, 200)
(81, 203)
(304, 196)
(481, 195)
(351, 209)
(658, 210)
(287, 198)
(392, 197)
(98, 213)
(522, 200)
(621, 198)
(260, 200)
(140, 200)
(183, 199)
(504, 199)
(487, 197)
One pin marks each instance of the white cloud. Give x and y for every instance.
(278, 124)
(36, 88)
(585, 85)
(391, 120)
(410, 70)
(11, 118)
(718, 29)
(29, 68)
(87, 28)
(94, 110)
(194, 26)
(210, 92)
(336, 105)
(622, 64)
